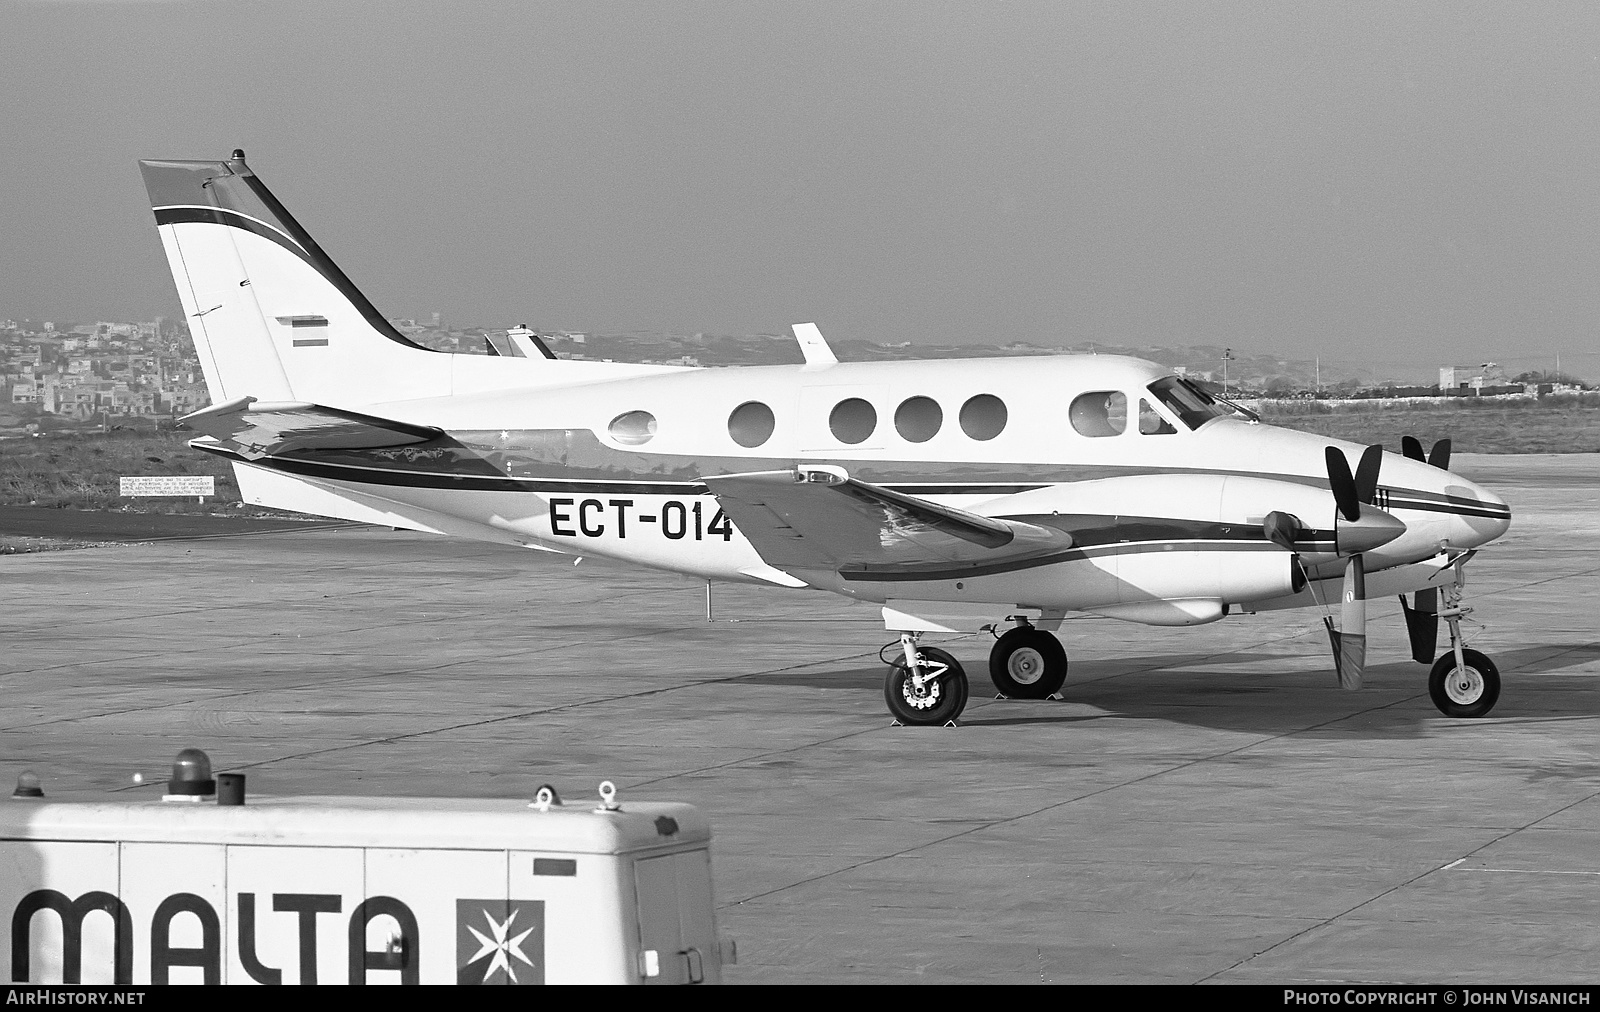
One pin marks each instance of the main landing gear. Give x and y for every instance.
(926, 686)
(1463, 682)
(1028, 663)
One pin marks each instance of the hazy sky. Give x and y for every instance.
(1389, 182)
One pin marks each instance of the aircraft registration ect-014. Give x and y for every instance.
(959, 495)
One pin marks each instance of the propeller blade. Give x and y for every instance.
(1440, 457)
(1367, 474)
(1350, 641)
(1411, 446)
(1343, 485)
(1422, 624)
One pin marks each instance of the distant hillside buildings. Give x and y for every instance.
(84, 371)
(95, 373)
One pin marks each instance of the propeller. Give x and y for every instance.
(1439, 456)
(1359, 527)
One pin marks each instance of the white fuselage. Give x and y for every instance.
(544, 465)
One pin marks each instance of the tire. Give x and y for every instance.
(946, 692)
(1471, 692)
(1027, 663)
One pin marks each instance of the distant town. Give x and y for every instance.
(64, 375)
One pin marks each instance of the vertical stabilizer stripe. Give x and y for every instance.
(324, 263)
(312, 256)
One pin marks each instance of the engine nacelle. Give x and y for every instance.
(1180, 547)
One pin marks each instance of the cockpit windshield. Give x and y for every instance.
(1186, 400)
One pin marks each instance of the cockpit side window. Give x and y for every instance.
(1193, 406)
(1099, 413)
(1151, 421)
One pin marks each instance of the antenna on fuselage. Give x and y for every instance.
(813, 346)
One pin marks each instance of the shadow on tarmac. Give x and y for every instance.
(1394, 706)
(1549, 657)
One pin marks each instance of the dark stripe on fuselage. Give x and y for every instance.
(1434, 502)
(459, 482)
(471, 460)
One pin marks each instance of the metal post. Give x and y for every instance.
(708, 600)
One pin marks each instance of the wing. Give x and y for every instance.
(819, 518)
(258, 429)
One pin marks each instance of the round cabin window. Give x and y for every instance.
(917, 419)
(852, 420)
(751, 424)
(634, 428)
(983, 416)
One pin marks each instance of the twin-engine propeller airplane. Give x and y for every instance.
(959, 495)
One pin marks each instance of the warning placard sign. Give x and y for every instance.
(169, 484)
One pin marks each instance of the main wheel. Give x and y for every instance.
(1469, 691)
(943, 695)
(1027, 663)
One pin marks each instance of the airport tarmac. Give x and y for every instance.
(1205, 806)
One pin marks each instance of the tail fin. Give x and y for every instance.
(272, 316)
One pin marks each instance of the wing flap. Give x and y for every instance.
(260, 429)
(818, 517)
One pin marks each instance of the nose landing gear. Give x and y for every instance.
(1463, 682)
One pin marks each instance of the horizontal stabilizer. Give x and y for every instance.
(260, 428)
(818, 517)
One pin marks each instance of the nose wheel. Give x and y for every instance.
(1465, 688)
(930, 693)
(1463, 682)
(1027, 663)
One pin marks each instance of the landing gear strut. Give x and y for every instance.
(1027, 663)
(1463, 683)
(925, 686)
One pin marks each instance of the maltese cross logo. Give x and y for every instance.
(499, 942)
